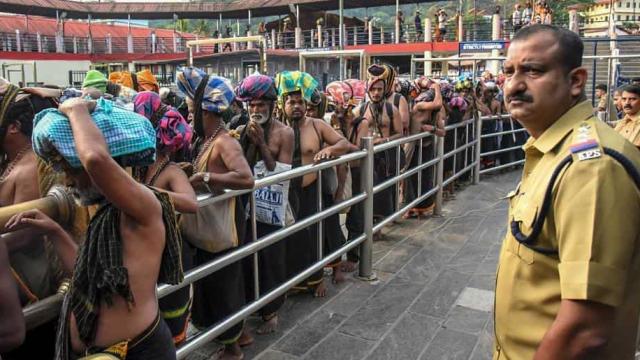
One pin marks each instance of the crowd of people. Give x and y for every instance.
(134, 154)
(538, 13)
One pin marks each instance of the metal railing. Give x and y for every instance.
(47, 309)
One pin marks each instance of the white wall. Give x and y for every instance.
(52, 72)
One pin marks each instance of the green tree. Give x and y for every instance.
(202, 27)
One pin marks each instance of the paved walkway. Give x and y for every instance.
(433, 299)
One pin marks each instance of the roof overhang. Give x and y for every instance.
(238, 9)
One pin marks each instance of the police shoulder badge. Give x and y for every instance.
(585, 145)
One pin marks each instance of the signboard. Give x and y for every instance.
(476, 46)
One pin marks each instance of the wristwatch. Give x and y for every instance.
(206, 177)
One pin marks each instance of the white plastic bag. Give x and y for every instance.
(271, 201)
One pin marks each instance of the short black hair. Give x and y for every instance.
(632, 88)
(602, 87)
(569, 43)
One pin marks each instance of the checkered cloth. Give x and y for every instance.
(130, 137)
(288, 82)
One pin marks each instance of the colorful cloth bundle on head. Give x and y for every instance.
(129, 136)
(463, 83)
(95, 79)
(405, 87)
(256, 87)
(384, 73)
(217, 92)
(458, 102)
(340, 93)
(359, 89)
(70, 93)
(123, 78)
(147, 81)
(173, 133)
(288, 82)
(319, 100)
(8, 93)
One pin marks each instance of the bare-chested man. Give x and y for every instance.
(12, 328)
(219, 164)
(427, 117)
(269, 140)
(385, 124)
(112, 305)
(315, 141)
(332, 233)
(19, 182)
(489, 106)
(173, 136)
(341, 95)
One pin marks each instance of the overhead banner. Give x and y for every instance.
(476, 46)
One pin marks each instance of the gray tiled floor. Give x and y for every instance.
(432, 299)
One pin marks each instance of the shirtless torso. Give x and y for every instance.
(383, 126)
(141, 228)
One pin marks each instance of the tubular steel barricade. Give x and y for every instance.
(47, 309)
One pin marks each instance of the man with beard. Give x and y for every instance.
(568, 281)
(219, 164)
(315, 141)
(112, 284)
(629, 126)
(33, 264)
(385, 124)
(427, 113)
(264, 138)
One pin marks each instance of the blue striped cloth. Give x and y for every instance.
(130, 137)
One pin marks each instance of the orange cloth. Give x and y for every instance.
(147, 81)
(121, 78)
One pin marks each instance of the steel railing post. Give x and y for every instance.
(254, 237)
(478, 134)
(366, 248)
(437, 210)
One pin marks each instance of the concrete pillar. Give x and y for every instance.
(109, 44)
(75, 45)
(90, 44)
(234, 45)
(428, 37)
(175, 43)
(397, 30)
(273, 38)
(460, 28)
(197, 46)
(39, 41)
(312, 39)
(154, 43)
(250, 43)
(370, 28)
(333, 37)
(493, 66)
(59, 42)
(345, 38)
(573, 21)
(129, 43)
(18, 41)
(355, 35)
(381, 35)
(298, 38)
(320, 43)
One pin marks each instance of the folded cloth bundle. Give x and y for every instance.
(130, 137)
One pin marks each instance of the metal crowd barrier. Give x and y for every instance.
(516, 148)
(47, 309)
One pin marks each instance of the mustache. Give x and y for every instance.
(520, 97)
(627, 107)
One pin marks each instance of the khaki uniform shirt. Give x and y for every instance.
(629, 128)
(593, 223)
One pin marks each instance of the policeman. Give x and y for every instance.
(568, 282)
